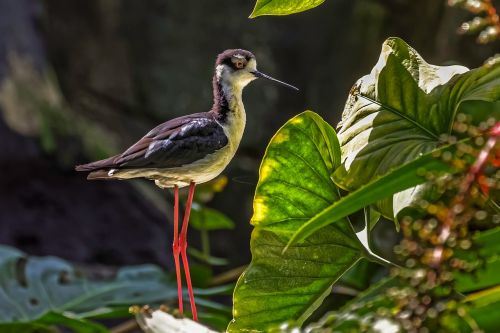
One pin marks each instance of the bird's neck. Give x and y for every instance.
(228, 102)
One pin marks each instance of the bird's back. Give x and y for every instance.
(170, 146)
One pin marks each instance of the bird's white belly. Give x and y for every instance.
(200, 171)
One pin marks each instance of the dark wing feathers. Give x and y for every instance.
(174, 143)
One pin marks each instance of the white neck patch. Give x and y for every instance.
(218, 71)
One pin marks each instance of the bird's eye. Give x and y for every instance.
(239, 62)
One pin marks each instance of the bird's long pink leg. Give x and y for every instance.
(183, 247)
(176, 248)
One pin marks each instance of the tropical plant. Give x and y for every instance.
(417, 144)
(39, 294)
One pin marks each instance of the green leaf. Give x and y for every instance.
(484, 306)
(349, 318)
(203, 218)
(294, 185)
(77, 325)
(48, 322)
(47, 290)
(294, 176)
(361, 275)
(488, 243)
(33, 286)
(401, 110)
(26, 328)
(399, 179)
(283, 7)
(211, 260)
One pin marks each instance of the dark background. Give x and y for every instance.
(80, 80)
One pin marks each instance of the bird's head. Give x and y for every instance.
(238, 68)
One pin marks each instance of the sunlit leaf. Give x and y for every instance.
(294, 185)
(399, 179)
(283, 7)
(401, 110)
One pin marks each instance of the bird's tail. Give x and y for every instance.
(99, 174)
(98, 169)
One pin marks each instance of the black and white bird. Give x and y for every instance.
(191, 149)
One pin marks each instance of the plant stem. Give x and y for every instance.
(463, 192)
(205, 243)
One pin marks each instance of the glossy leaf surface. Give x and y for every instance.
(283, 7)
(401, 110)
(399, 179)
(294, 185)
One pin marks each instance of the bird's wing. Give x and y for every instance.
(174, 143)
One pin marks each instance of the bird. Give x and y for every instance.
(191, 149)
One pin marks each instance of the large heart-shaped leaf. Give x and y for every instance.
(401, 110)
(283, 7)
(294, 185)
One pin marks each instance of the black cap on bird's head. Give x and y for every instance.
(240, 67)
(231, 57)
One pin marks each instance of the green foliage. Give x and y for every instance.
(403, 109)
(294, 185)
(39, 292)
(483, 306)
(402, 152)
(480, 304)
(488, 246)
(283, 7)
(398, 179)
(203, 218)
(50, 320)
(206, 219)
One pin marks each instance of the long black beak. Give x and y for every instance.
(265, 76)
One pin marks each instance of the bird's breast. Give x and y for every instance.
(212, 164)
(234, 125)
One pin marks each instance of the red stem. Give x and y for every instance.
(464, 189)
(492, 14)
